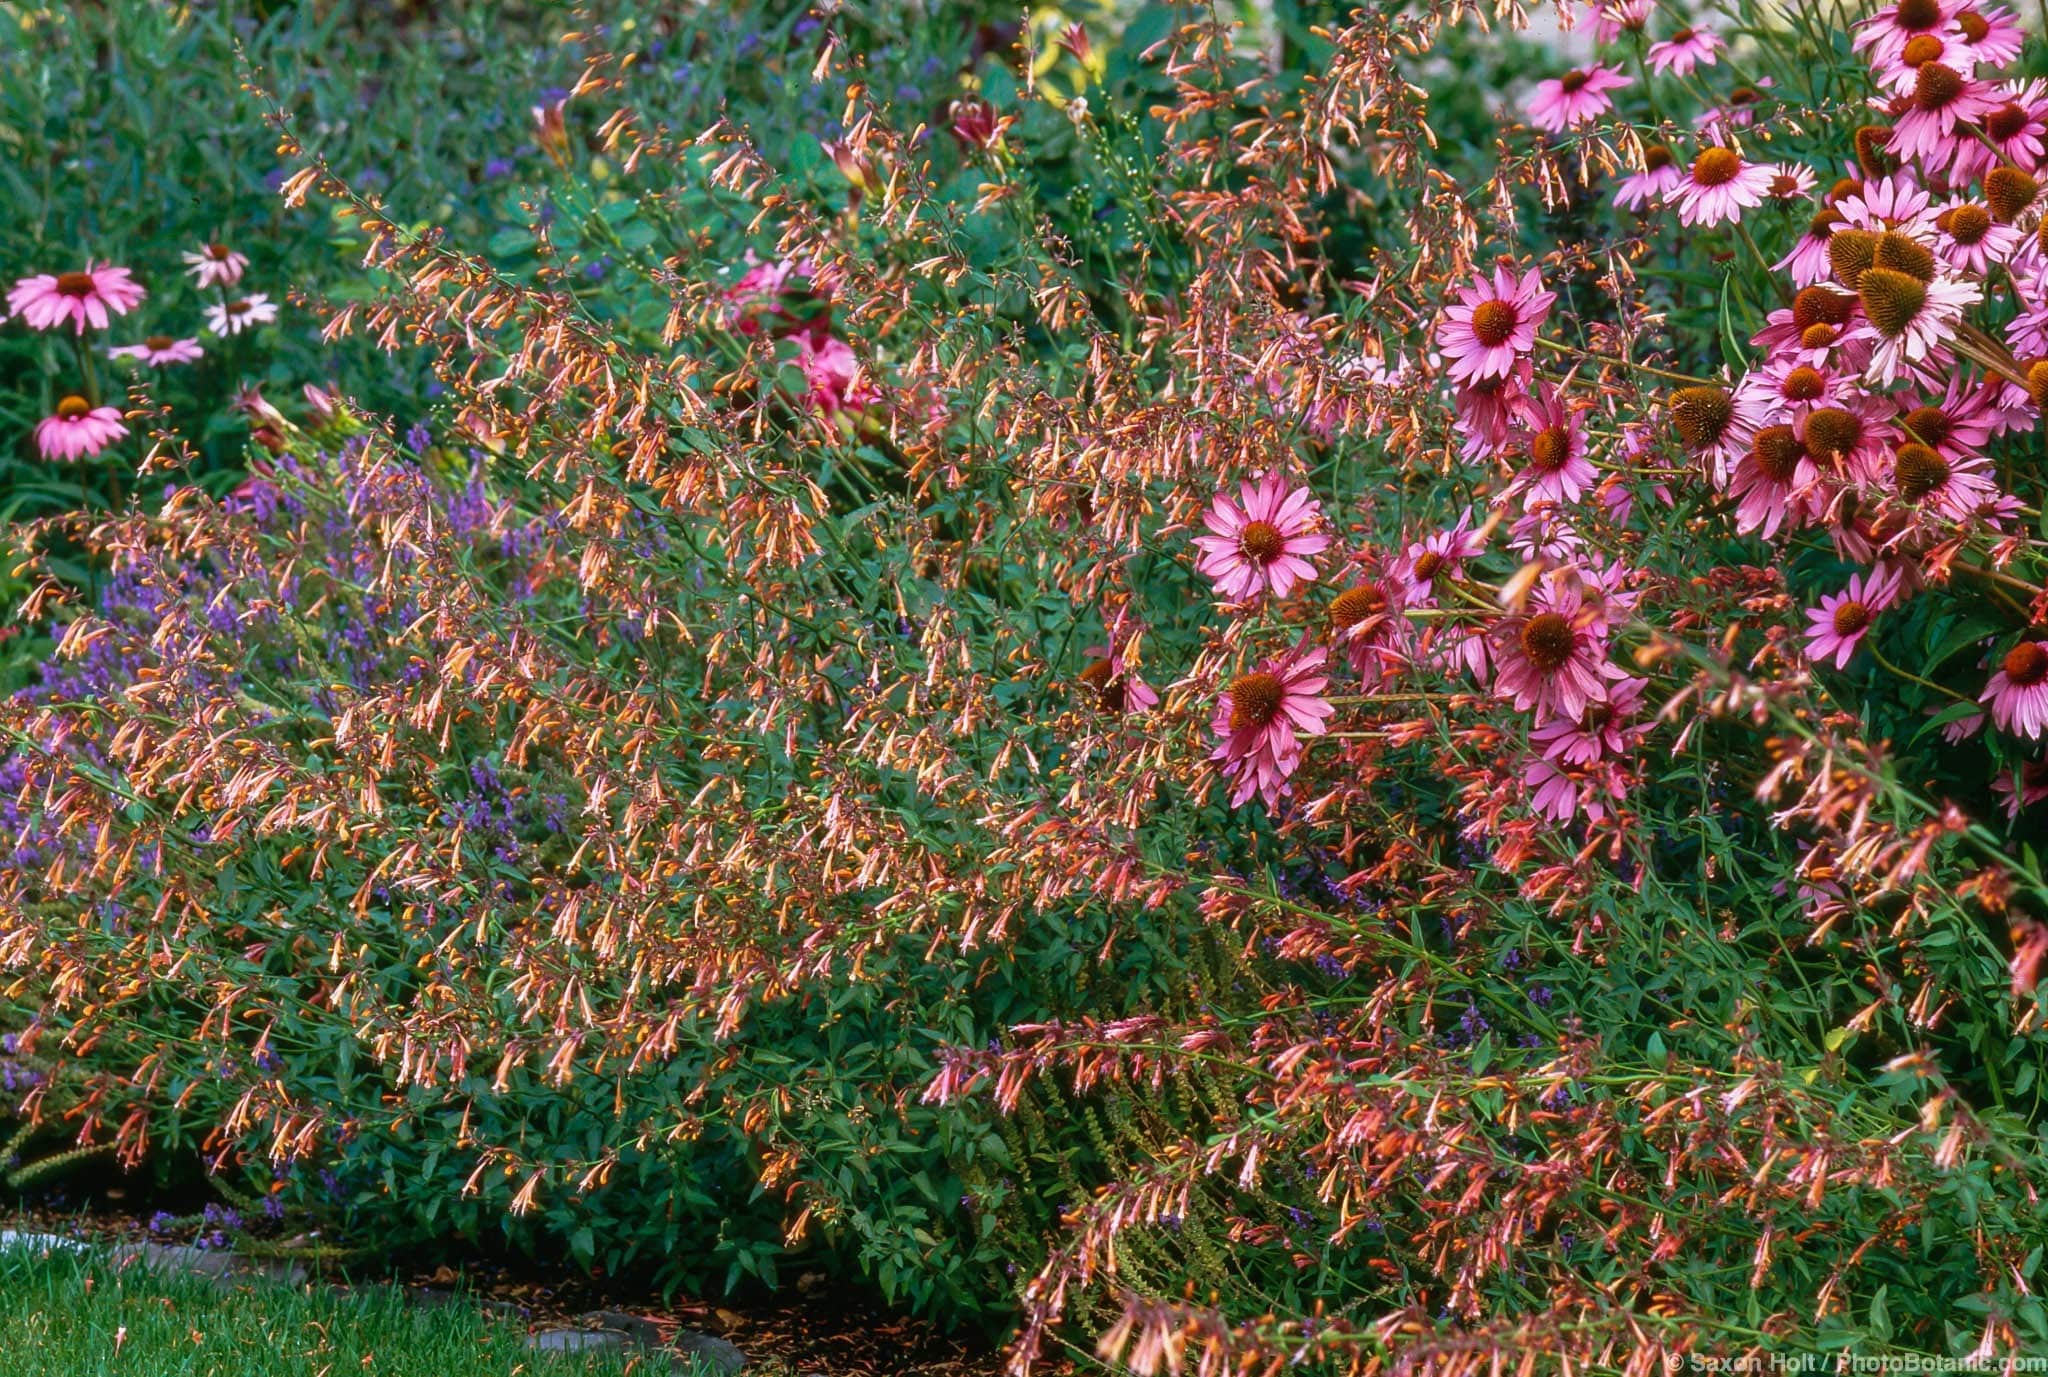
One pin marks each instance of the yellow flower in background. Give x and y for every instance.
(1069, 51)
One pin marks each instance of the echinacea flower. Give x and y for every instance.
(1607, 728)
(1484, 411)
(1685, 50)
(1943, 101)
(78, 429)
(1970, 240)
(1770, 482)
(2018, 691)
(1494, 324)
(1853, 439)
(1574, 98)
(1842, 619)
(1992, 32)
(1118, 688)
(1886, 33)
(1720, 186)
(1263, 716)
(2014, 130)
(832, 376)
(47, 300)
(216, 265)
(1262, 540)
(1548, 658)
(1440, 554)
(1660, 176)
(1959, 487)
(1366, 620)
(158, 351)
(1910, 319)
(243, 313)
(1613, 18)
(1554, 443)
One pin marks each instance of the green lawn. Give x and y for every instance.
(65, 1315)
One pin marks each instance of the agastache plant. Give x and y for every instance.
(1553, 676)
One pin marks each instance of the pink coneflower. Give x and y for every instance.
(1613, 18)
(1854, 439)
(1262, 718)
(1261, 541)
(1969, 240)
(1960, 423)
(1493, 325)
(1770, 484)
(243, 313)
(1839, 623)
(1544, 531)
(1886, 33)
(1959, 487)
(78, 429)
(1485, 411)
(1685, 50)
(1119, 689)
(1607, 728)
(1366, 620)
(1790, 181)
(1901, 74)
(1943, 100)
(1808, 263)
(1720, 186)
(1554, 443)
(216, 265)
(832, 376)
(1548, 658)
(47, 300)
(2017, 127)
(1896, 202)
(1784, 389)
(1559, 794)
(2030, 789)
(1574, 98)
(158, 351)
(1993, 33)
(2018, 691)
(1661, 175)
(1785, 329)
(1440, 554)
(1911, 321)
(1719, 123)
(1714, 424)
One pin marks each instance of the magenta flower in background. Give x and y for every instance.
(216, 265)
(1262, 540)
(1661, 175)
(1574, 98)
(91, 297)
(1839, 623)
(1720, 185)
(1262, 718)
(2018, 691)
(158, 351)
(78, 429)
(833, 374)
(226, 318)
(1685, 50)
(1493, 324)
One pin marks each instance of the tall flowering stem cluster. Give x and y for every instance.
(1530, 752)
